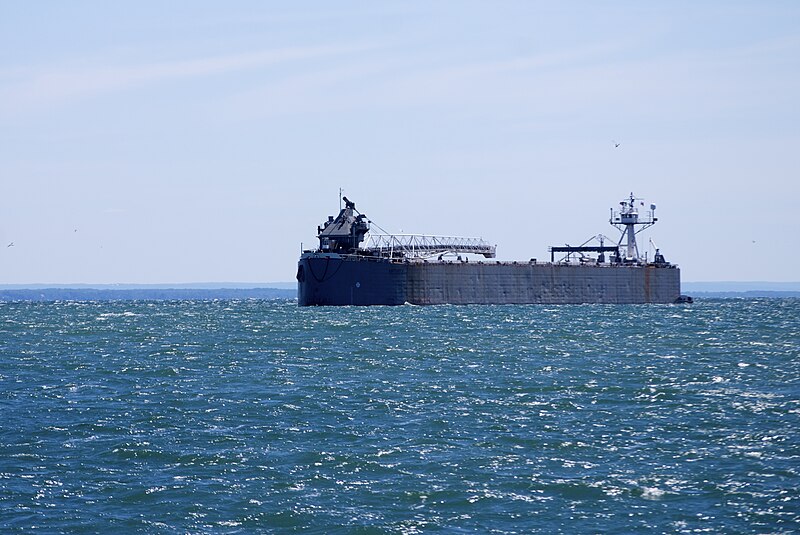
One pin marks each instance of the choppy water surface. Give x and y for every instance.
(243, 416)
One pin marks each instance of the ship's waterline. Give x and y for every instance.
(429, 270)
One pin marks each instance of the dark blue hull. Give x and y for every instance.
(334, 279)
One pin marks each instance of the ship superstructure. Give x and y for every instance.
(626, 219)
(347, 231)
(356, 265)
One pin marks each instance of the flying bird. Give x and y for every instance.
(10, 244)
(615, 143)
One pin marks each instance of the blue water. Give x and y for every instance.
(259, 416)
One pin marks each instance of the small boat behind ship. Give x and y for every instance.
(356, 266)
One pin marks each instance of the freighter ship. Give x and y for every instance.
(356, 266)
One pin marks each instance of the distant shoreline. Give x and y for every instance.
(769, 294)
(690, 287)
(157, 286)
(144, 294)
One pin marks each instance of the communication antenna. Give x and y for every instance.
(626, 220)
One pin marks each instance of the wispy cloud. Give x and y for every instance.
(604, 76)
(47, 86)
(391, 81)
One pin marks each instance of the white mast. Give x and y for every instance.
(626, 220)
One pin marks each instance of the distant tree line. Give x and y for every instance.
(774, 294)
(93, 294)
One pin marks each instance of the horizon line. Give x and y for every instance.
(157, 285)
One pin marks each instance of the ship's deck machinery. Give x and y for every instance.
(354, 265)
(626, 219)
(349, 229)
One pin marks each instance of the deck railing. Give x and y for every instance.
(421, 245)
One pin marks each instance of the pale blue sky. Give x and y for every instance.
(154, 142)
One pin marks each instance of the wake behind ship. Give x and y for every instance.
(429, 270)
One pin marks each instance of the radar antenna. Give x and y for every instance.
(626, 219)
